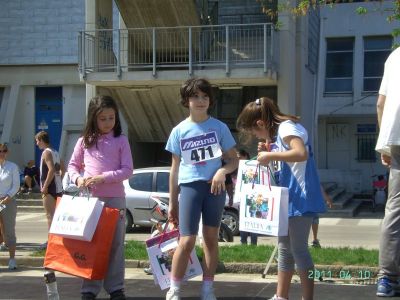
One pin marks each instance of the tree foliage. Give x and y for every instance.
(304, 6)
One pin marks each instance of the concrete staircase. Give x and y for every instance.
(30, 203)
(343, 203)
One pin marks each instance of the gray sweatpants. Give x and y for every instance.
(8, 216)
(114, 279)
(294, 247)
(389, 248)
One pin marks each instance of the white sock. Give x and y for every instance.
(175, 284)
(207, 285)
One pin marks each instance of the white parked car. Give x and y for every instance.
(154, 181)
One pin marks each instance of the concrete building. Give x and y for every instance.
(55, 55)
(353, 49)
(40, 88)
(159, 44)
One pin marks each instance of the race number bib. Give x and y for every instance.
(200, 148)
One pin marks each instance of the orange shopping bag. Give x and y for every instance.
(82, 258)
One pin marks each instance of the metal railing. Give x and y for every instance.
(215, 46)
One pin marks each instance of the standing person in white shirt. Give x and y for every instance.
(388, 145)
(9, 186)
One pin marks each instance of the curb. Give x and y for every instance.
(327, 272)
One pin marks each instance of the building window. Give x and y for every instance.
(376, 50)
(366, 141)
(339, 65)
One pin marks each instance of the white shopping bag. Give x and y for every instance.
(263, 207)
(76, 217)
(160, 250)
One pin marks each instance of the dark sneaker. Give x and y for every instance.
(315, 244)
(43, 246)
(386, 287)
(88, 296)
(118, 295)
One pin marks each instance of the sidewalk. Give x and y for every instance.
(343, 274)
(27, 283)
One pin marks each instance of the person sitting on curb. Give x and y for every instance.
(31, 177)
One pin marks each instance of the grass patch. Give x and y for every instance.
(39, 253)
(345, 256)
(260, 254)
(135, 250)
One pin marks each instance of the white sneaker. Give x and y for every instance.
(3, 247)
(12, 264)
(173, 294)
(275, 297)
(208, 295)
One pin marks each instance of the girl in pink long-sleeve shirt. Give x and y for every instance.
(107, 158)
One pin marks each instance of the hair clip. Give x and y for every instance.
(258, 101)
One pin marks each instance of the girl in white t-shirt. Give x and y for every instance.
(285, 142)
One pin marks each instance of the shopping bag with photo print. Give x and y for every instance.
(160, 250)
(263, 206)
(76, 217)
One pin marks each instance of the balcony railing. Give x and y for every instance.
(219, 46)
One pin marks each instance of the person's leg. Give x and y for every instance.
(181, 256)
(212, 209)
(389, 247)
(28, 182)
(253, 238)
(190, 203)
(314, 228)
(114, 280)
(243, 237)
(299, 232)
(9, 215)
(285, 266)
(49, 204)
(210, 247)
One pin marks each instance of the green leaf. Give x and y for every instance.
(361, 10)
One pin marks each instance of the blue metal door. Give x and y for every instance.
(48, 116)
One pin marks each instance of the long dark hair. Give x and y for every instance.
(263, 109)
(96, 106)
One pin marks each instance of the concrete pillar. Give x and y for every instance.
(91, 91)
(98, 15)
(11, 98)
(287, 63)
(124, 43)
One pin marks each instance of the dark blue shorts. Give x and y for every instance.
(196, 200)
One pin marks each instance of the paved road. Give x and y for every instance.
(335, 232)
(27, 284)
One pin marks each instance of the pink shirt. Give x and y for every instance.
(112, 158)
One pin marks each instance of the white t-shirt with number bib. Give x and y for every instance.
(200, 146)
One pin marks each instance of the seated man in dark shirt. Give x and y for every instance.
(31, 176)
